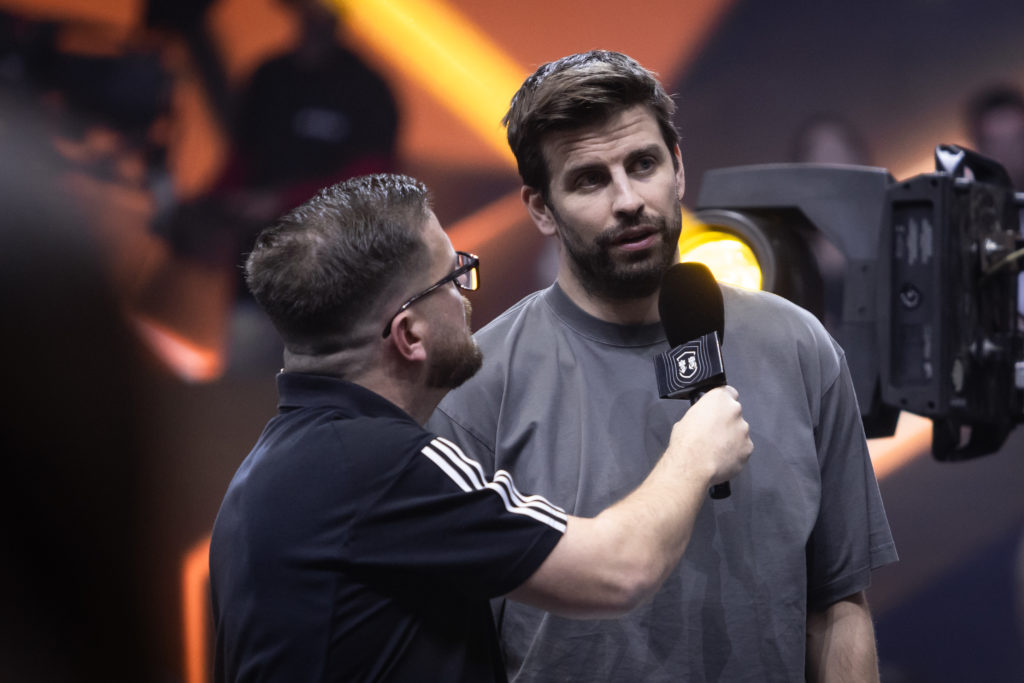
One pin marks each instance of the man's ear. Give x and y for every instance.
(680, 173)
(407, 336)
(538, 209)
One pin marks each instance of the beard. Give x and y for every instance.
(456, 358)
(632, 275)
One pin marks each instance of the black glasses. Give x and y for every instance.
(465, 276)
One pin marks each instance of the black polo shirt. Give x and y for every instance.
(353, 545)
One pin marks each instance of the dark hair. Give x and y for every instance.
(576, 91)
(323, 266)
(988, 100)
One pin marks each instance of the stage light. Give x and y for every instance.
(775, 251)
(729, 257)
(916, 280)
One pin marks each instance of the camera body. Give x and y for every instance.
(917, 280)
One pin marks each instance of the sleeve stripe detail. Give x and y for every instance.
(447, 468)
(499, 488)
(470, 465)
(468, 476)
(534, 501)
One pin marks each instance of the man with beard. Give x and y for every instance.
(354, 545)
(771, 585)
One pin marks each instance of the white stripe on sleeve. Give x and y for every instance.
(468, 476)
(472, 466)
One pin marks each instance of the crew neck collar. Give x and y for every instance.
(599, 330)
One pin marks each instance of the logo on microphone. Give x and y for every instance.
(693, 367)
(687, 365)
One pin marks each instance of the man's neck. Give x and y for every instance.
(637, 311)
(417, 400)
(342, 363)
(397, 383)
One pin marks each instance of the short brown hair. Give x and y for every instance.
(325, 265)
(576, 91)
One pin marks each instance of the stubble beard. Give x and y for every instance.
(636, 275)
(456, 358)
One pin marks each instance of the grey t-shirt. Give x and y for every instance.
(569, 405)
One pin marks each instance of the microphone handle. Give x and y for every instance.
(718, 491)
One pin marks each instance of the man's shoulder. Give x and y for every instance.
(523, 316)
(362, 426)
(747, 300)
(768, 314)
(778, 333)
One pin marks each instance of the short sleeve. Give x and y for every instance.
(440, 520)
(851, 535)
(444, 423)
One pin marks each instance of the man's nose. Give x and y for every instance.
(626, 200)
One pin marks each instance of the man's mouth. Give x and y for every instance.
(635, 239)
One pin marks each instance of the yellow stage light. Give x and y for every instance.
(730, 259)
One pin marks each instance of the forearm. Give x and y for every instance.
(607, 565)
(651, 528)
(841, 643)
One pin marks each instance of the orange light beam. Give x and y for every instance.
(491, 223)
(189, 360)
(913, 439)
(435, 45)
(195, 576)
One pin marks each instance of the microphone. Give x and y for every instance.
(693, 315)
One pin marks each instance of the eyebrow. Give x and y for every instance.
(656, 149)
(653, 149)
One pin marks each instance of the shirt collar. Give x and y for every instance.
(304, 390)
(613, 334)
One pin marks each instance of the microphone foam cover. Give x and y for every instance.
(690, 303)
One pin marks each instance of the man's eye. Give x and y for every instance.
(645, 164)
(588, 180)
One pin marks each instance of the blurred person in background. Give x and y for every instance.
(826, 138)
(305, 119)
(995, 128)
(310, 117)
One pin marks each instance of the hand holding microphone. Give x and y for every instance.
(693, 315)
(714, 438)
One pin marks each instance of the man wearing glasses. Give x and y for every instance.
(354, 545)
